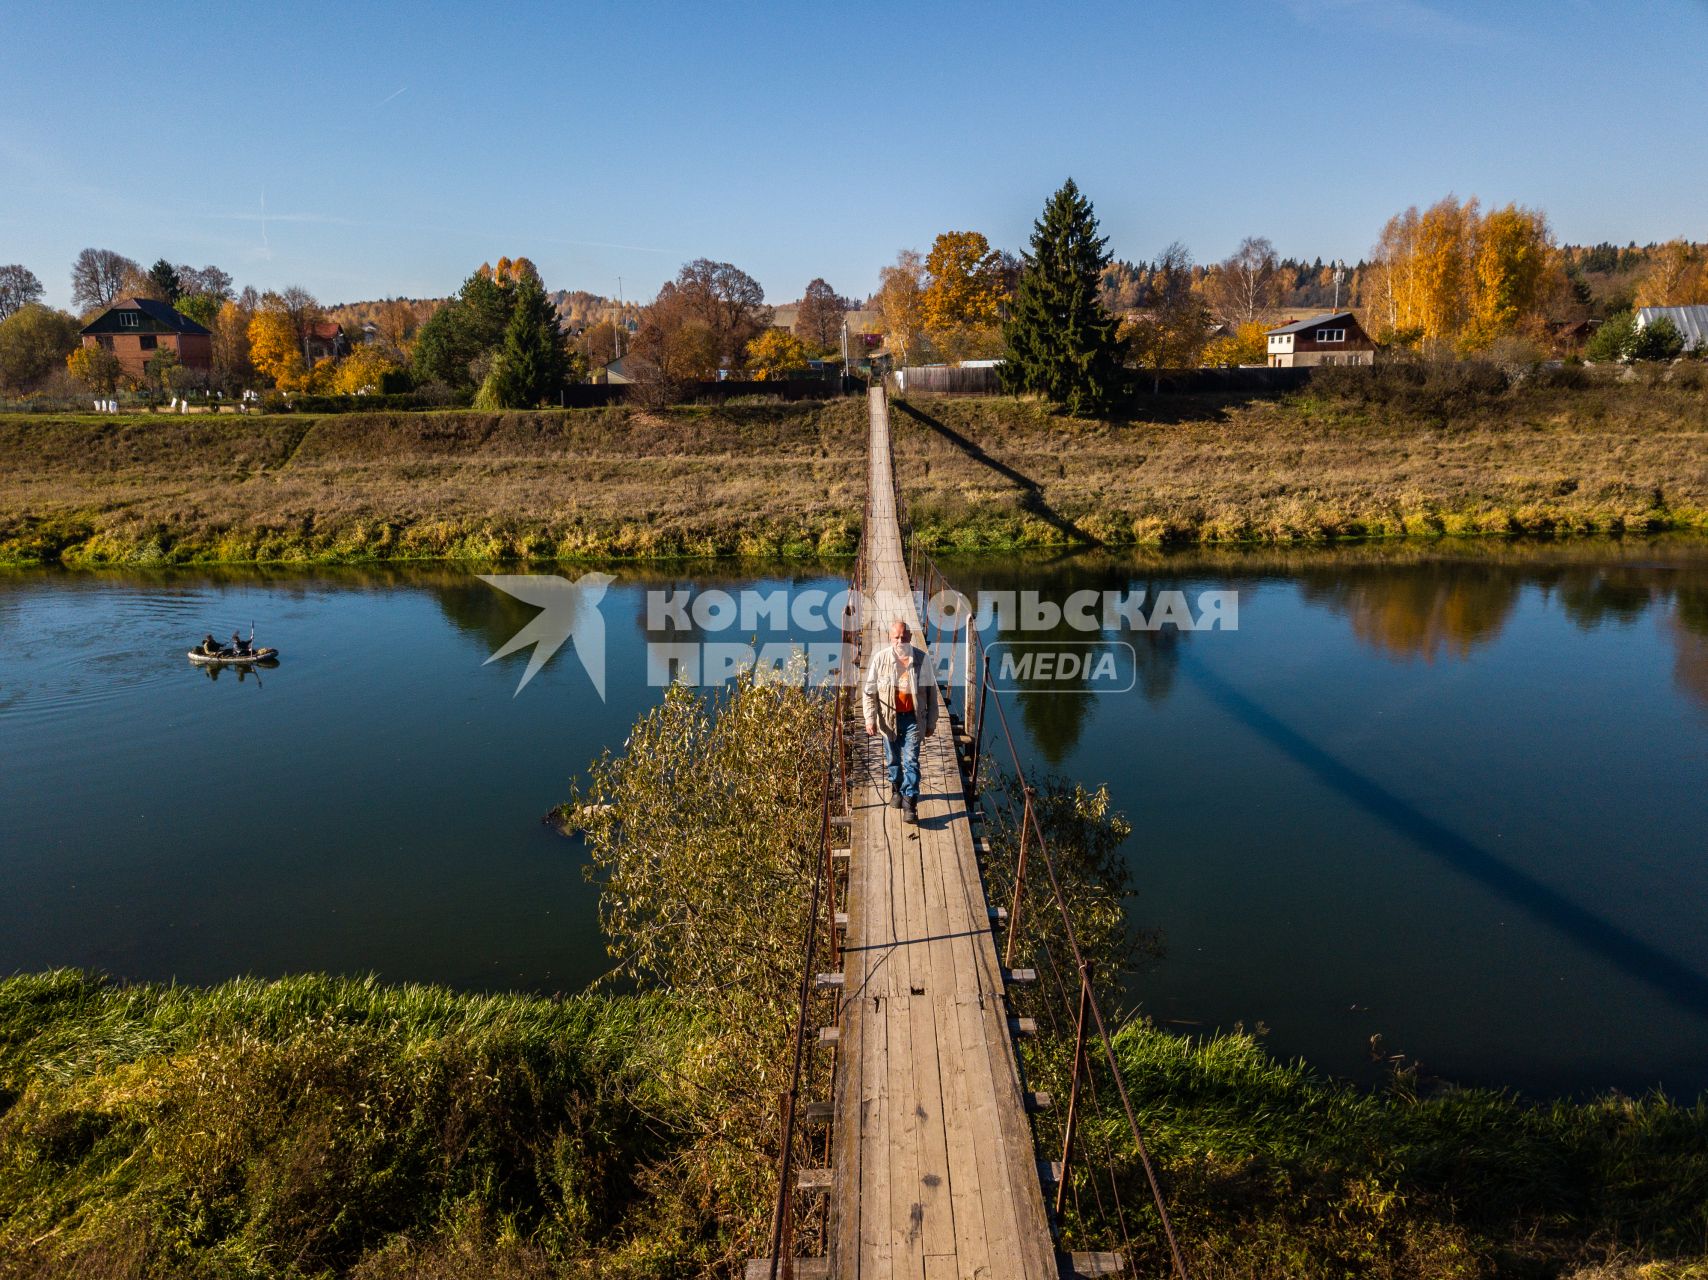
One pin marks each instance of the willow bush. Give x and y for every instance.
(704, 834)
(1085, 834)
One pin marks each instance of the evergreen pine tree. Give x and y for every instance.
(1061, 341)
(163, 282)
(533, 362)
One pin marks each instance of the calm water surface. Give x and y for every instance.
(1456, 798)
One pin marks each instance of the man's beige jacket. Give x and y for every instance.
(878, 692)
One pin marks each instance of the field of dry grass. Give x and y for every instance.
(768, 480)
(1594, 459)
(979, 473)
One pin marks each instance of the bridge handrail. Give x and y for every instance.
(780, 1255)
(976, 691)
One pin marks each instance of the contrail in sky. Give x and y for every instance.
(390, 96)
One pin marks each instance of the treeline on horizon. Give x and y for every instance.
(1451, 279)
(1603, 279)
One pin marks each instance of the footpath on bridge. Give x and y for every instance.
(933, 1171)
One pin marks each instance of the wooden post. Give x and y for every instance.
(967, 676)
(1073, 1095)
(1019, 883)
(830, 884)
(925, 588)
(978, 726)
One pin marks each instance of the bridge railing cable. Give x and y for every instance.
(1040, 932)
(801, 1145)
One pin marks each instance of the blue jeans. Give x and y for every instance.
(901, 755)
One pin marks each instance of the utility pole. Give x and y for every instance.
(618, 335)
(1339, 275)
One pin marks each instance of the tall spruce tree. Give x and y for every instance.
(163, 282)
(533, 362)
(1061, 341)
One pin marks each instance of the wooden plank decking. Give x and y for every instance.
(933, 1169)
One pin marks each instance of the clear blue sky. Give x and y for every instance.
(397, 147)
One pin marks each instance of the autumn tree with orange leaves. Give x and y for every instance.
(275, 345)
(962, 302)
(1453, 275)
(1677, 277)
(901, 305)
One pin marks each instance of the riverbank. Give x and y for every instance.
(786, 480)
(321, 1126)
(758, 480)
(1309, 468)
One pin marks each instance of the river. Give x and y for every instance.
(1453, 796)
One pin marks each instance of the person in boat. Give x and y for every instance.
(210, 646)
(237, 645)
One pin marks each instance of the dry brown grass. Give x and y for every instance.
(1218, 469)
(982, 473)
(750, 480)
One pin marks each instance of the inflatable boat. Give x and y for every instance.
(231, 658)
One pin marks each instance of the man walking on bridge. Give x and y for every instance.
(903, 707)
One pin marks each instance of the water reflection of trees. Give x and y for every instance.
(479, 609)
(1424, 611)
(1593, 598)
(1408, 599)
(1055, 717)
(1420, 611)
(1689, 626)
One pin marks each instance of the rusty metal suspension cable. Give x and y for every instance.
(1096, 1011)
(823, 890)
(782, 1218)
(1030, 822)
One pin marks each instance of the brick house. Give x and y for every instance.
(1336, 338)
(324, 340)
(135, 328)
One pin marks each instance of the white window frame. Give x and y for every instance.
(130, 320)
(1331, 335)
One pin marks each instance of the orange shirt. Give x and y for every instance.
(904, 699)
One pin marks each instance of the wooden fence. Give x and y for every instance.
(591, 395)
(948, 380)
(985, 380)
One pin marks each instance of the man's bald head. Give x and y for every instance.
(899, 632)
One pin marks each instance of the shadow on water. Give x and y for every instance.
(1648, 964)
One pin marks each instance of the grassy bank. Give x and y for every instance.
(620, 482)
(1275, 1171)
(321, 1127)
(980, 473)
(316, 1126)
